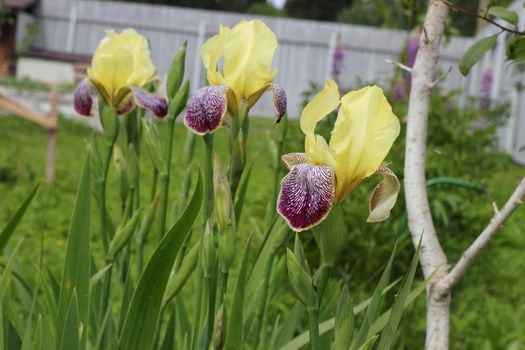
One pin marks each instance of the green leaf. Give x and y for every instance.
(241, 190)
(8, 230)
(344, 321)
(6, 275)
(304, 338)
(152, 141)
(37, 340)
(98, 276)
(516, 48)
(234, 334)
(123, 235)
(70, 334)
(178, 102)
(373, 308)
(298, 251)
(387, 335)
(179, 278)
(505, 14)
(169, 335)
(475, 52)
(285, 332)
(76, 273)
(176, 72)
(382, 320)
(368, 343)
(300, 281)
(141, 321)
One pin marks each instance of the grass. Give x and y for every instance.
(487, 305)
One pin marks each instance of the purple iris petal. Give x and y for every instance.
(82, 100)
(306, 196)
(279, 101)
(156, 104)
(206, 109)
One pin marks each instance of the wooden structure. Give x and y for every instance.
(8, 25)
(50, 123)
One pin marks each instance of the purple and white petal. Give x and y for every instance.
(384, 196)
(82, 100)
(279, 102)
(306, 196)
(206, 109)
(156, 104)
(293, 159)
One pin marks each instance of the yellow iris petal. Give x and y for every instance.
(121, 61)
(248, 56)
(317, 151)
(247, 51)
(362, 136)
(211, 52)
(321, 105)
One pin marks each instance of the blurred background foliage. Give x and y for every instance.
(399, 14)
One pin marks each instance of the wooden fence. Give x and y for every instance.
(303, 55)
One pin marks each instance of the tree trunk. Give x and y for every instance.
(433, 259)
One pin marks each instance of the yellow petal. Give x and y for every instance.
(317, 151)
(212, 50)
(363, 134)
(120, 61)
(319, 107)
(248, 54)
(143, 68)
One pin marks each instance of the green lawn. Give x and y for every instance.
(487, 305)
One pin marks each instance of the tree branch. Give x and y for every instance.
(399, 65)
(484, 17)
(459, 270)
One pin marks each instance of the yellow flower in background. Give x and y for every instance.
(247, 51)
(121, 66)
(121, 60)
(363, 134)
(238, 63)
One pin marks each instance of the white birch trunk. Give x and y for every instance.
(432, 258)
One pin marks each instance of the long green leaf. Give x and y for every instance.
(326, 326)
(241, 190)
(8, 230)
(235, 332)
(382, 320)
(141, 321)
(6, 275)
(344, 321)
(475, 52)
(70, 334)
(76, 273)
(387, 336)
(373, 308)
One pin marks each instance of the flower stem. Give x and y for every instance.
(165, 179)
(239, 137)
(313, 324)
(322, 281)
(207, 209)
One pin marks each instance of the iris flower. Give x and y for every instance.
(120, 68)
(238, 63)
(326, 173)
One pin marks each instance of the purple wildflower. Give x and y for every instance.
(412, 48)
(338, 57)
(485, 88)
